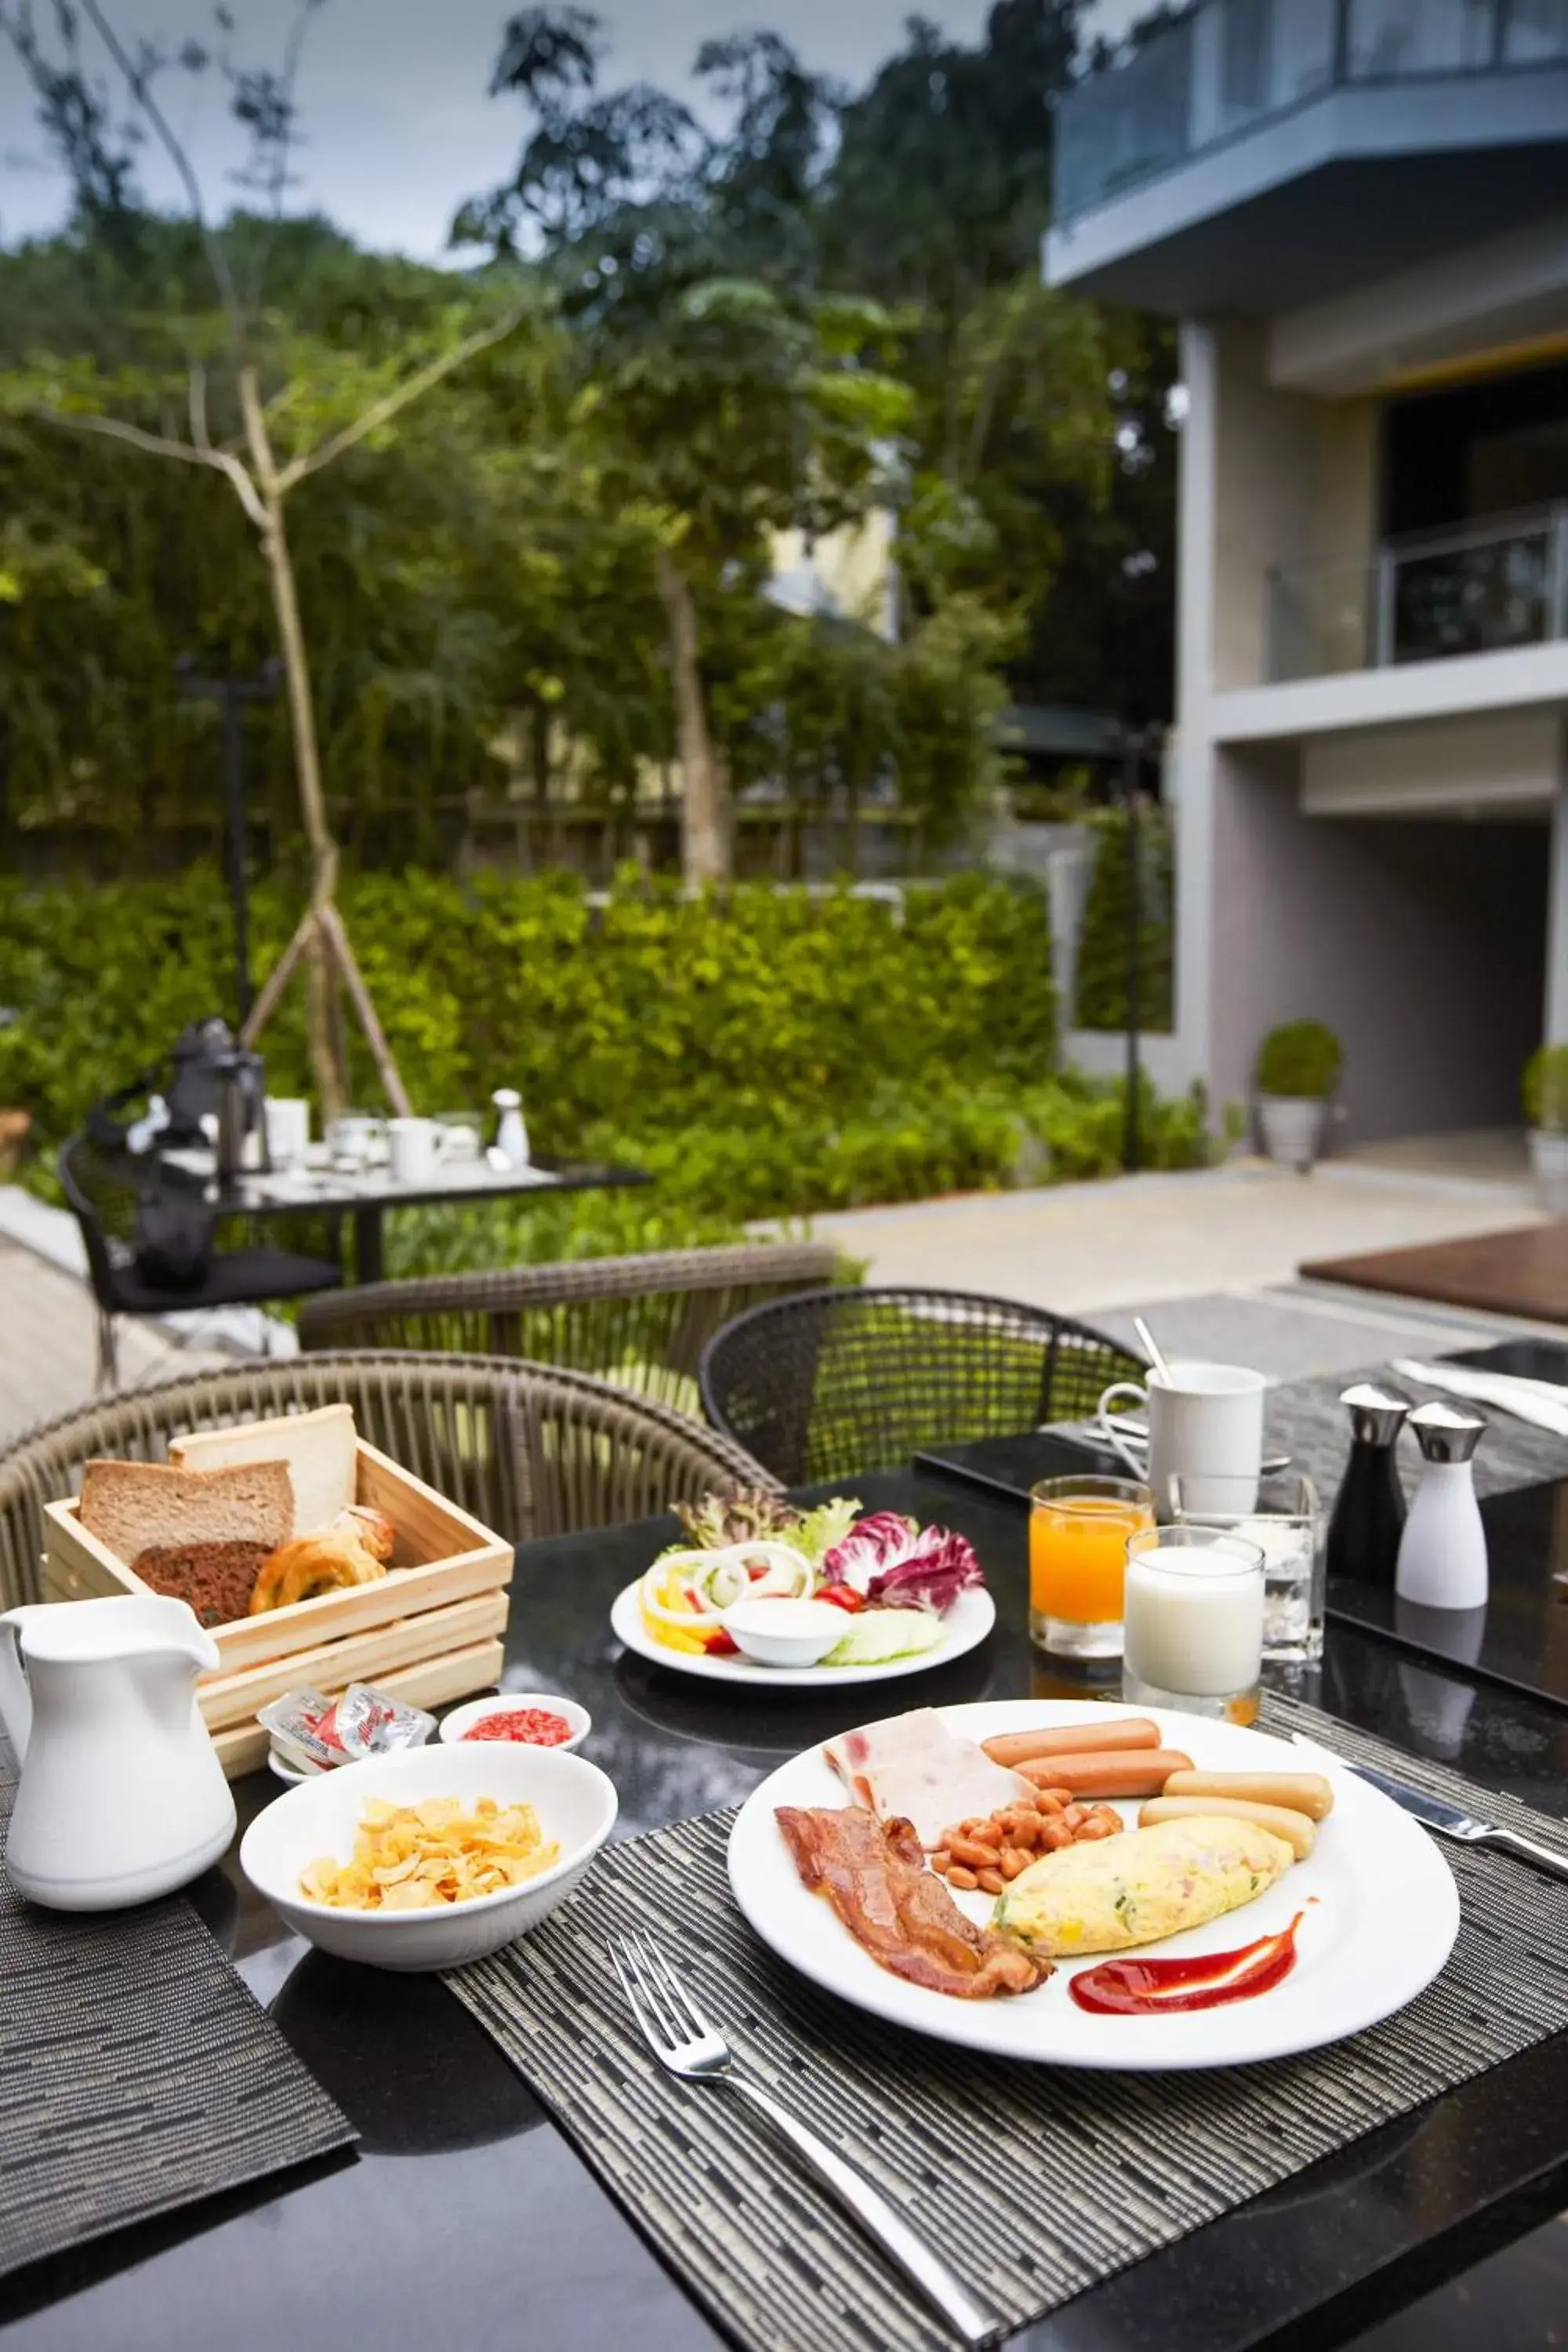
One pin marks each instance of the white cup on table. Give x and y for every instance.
(288, 1120)
(1204, 1420)
(415, 1150)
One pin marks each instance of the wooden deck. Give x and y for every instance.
(49, 1345)
(1523, 1273)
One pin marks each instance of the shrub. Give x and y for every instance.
(1299, 1057)
(766, 1055)
(1101, 989)
(650, 1013)
(1545, 1089)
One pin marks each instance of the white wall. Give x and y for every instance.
(1421, 944)
(1509, 760)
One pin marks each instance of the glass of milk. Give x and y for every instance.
(1281, 1515)
(1193, 1621)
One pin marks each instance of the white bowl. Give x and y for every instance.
(462, 1718)
(780, 1632)
(576, 1806)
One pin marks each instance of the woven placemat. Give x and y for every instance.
(1037, 2181)
(137, 2073)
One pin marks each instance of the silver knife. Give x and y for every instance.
(1448, 1821)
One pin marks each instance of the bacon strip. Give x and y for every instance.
(874, 1875)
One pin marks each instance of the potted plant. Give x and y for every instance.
(1298, 1067)
(1545, 1091)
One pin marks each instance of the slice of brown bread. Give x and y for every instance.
(133, 1505)
(216, 1578)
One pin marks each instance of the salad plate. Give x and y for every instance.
(1378, 1907)
(966, 1624)
(908, 1597)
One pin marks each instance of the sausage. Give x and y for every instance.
(1019, 1747)
(1299, 1793)
(1138, 1772)
(1297, 1830)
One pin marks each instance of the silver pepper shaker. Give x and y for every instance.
(1443, 1551)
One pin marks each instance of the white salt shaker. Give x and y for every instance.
(512, 1135)
(1443, 1551)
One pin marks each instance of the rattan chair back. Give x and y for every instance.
(529, 1449)
(836, 1381)
(642, 1322)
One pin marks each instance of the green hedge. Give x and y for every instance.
(651, 1013)
(766, 1055)
(1101, 987)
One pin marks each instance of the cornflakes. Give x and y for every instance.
(416, 1857)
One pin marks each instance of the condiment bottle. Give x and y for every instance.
(1369, 1509)
(1443, 1551)
(512, 1135)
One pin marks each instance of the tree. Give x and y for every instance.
(720, 397)
(297, 410)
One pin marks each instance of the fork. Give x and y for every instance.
(685, 2043)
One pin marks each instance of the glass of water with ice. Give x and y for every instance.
(1280, 1515)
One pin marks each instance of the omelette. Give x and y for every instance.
(1133, 1889)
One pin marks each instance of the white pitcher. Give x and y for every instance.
(121, 1794)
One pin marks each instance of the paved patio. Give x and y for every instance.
(1210, 1255)
(49, 1360)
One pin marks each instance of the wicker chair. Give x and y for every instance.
(642, 1322)
(529, 1450)
(836, 1381)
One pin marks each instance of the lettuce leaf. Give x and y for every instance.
(819, 1530)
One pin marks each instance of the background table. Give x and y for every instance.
(469, 2218)
(367, 1195)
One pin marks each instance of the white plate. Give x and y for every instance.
(1384, 1921)
(967, 1622)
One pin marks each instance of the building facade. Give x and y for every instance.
(1358, 210)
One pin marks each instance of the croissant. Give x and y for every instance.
(312, 1564)
(364, 1524)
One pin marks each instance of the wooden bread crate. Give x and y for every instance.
(442, 1605)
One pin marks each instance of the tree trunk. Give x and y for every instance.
(322, 1031)
(707, 848)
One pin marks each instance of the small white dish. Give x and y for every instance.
(576, 1802)
(462, 1720)
(782, 1633)
(283, 1769)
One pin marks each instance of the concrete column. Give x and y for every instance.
(1555, 1012)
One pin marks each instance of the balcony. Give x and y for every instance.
(1236, 64)
(1491, 588)
(1340, 88)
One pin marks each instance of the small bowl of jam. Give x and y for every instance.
(521, 1718)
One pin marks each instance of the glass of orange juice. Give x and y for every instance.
(1079, 1532)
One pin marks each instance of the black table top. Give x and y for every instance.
(341, 1190)
(466, 2218)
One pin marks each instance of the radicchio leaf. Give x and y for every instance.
(938, 1567)
(871, 1545)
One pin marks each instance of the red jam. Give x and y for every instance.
(536, 1725)
(1208, 1980)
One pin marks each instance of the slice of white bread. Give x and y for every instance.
(132, 1506)
(319, 1448)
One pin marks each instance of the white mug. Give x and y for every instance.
(414, 1148)
(287, 1118)
(1202, 1418)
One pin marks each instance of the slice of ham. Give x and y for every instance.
(917, 1770)
(874, 1875)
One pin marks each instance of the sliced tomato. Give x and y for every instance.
(843, 1596)
(720, 1644)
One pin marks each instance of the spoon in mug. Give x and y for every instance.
(1151, 1346)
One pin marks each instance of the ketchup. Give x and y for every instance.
(535, 1723)
(1208, 1980)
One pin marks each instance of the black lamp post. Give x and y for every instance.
(234, 693)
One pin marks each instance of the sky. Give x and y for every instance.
(398, 127)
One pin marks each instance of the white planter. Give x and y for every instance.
(1294, 1128)
(1549, 1162)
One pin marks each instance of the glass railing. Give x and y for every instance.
(1235, 65)
(1483, 589)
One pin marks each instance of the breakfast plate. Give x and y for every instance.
(964, 1626)
(1379, 1912)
